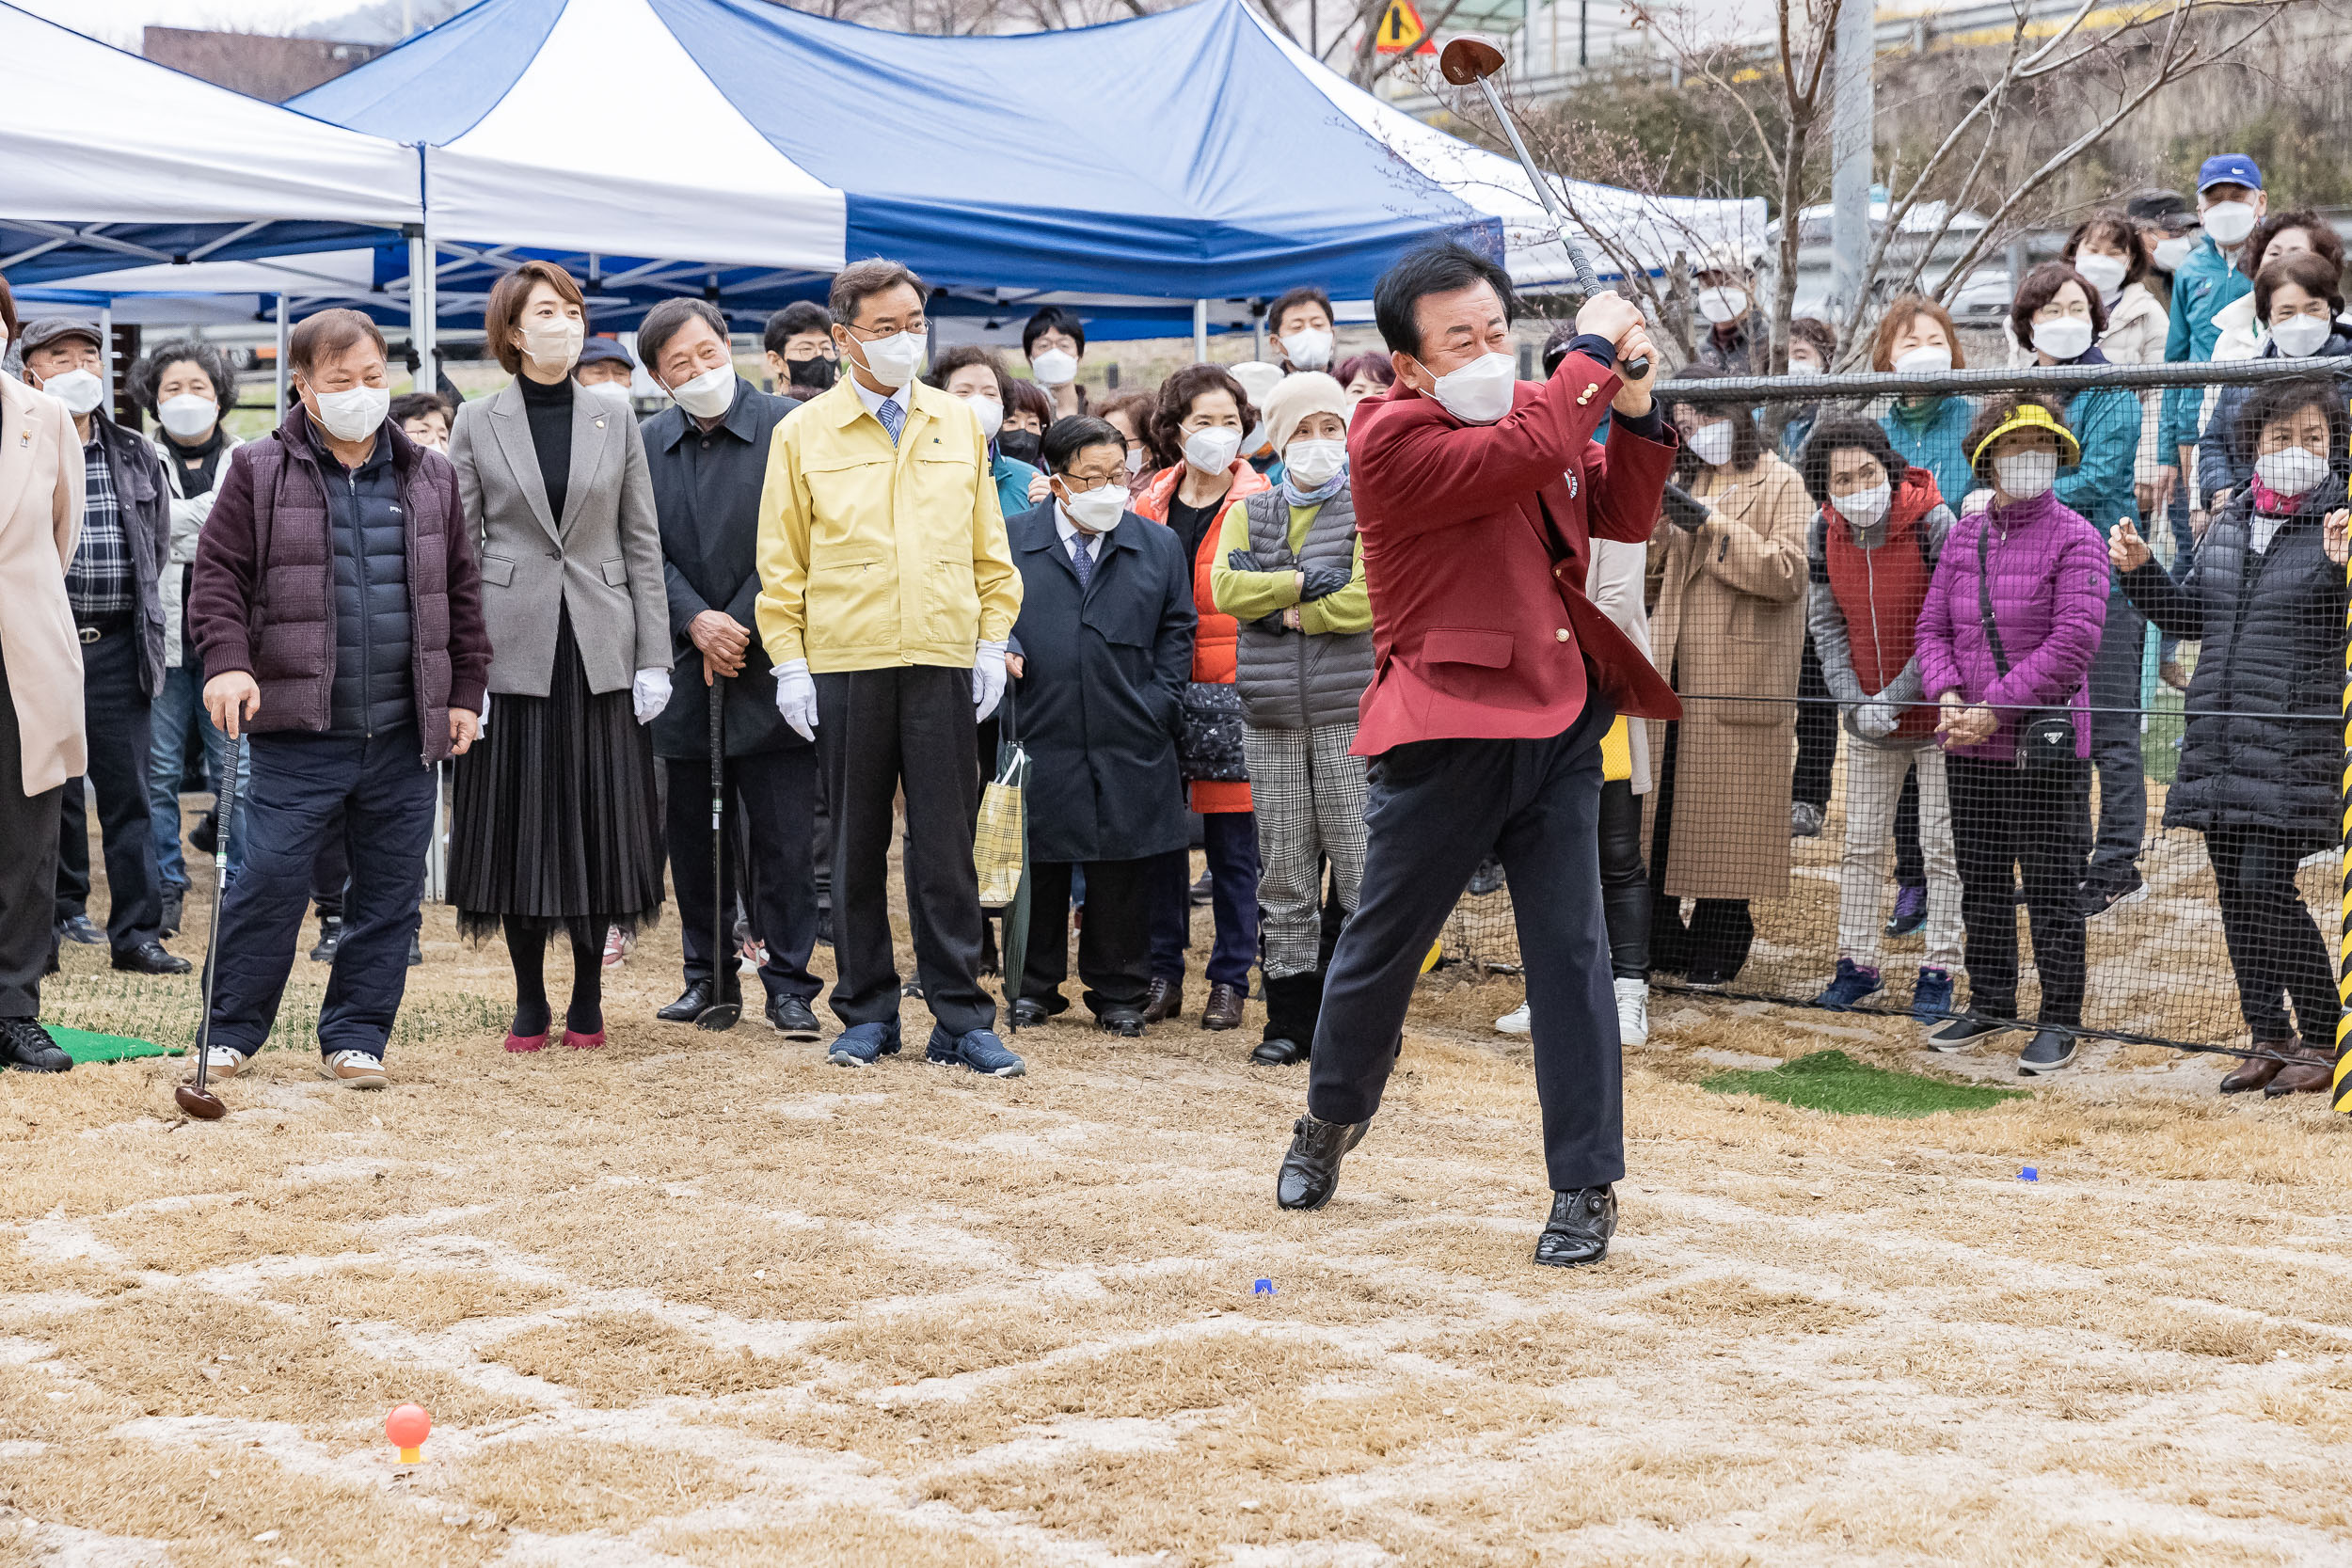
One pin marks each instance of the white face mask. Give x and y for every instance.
(2063, 337)
(1929, 359)
(1313, 462)
(989, 412)
(1723, 305)
(79, 391)
(1713, 443)
(613, 392)
(1054, 367)
(2024, 475)
(891, 360)
(1135, 460)
(1863, 508)
(2229, 222)
(188, 416)
(2291, 470)
(555, 341)
(707, 395)
(2171, 252)
(1098, 510)
(352, 415)
(2103, 272)
(1308, 349)
(2300, 336)
(1212, 450)
(1480, 392)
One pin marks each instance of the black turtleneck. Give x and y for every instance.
(198, 465)
(550, 411)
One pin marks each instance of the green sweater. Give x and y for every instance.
(1249, 595)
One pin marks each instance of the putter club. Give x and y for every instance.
(1475, 58)
(720, 1014)
(196, 1097)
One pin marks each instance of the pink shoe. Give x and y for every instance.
(617, 946)
(583, 1042)
(526, 1042)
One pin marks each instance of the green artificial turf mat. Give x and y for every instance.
(1835, 1082)
(83, 1046)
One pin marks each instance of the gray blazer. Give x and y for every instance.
(602, 559)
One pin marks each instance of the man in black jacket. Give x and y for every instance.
(114, 584)
(1105, 643)
(707, 454)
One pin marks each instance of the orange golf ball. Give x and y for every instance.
(407, 1427)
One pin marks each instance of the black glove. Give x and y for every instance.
(1683, 510)
(1271, 623)
(1321, 580)
(1243, 560)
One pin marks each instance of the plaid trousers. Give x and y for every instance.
(1309, 797)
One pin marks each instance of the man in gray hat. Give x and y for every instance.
(113, 585)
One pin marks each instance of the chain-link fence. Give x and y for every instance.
(2129, 821)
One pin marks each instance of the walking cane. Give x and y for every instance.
(196, 1097)
(720, 1014)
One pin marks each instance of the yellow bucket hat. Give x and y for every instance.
(2030, 416)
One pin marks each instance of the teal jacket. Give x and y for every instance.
(1935, 439)
(2105, 420)
(1013, 478)
(2206, 281)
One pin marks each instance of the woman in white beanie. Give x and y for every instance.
(1289, 567)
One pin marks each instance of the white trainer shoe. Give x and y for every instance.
(1633, 1011)
(1513, 1023)
(222, 1061)
(354, 1070)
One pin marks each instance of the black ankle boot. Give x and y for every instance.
(1580, 1228)
(1292, 1006)
(1311, 1171)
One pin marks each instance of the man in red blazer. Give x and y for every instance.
(1477, 495)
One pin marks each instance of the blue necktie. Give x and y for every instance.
(1082, 560)
(894, 419)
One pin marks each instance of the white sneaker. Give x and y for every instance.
(354, 1070)
(1515, 1022)
(222, 1061)
(1633, 1011)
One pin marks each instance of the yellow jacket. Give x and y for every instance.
(871, 557)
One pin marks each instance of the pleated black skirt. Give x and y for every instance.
(557, 820)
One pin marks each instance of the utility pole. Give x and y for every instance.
(1583, 33)
(1852, 109)
(1314, 39)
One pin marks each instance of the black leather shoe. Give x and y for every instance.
(26, 1045)
(1224, 1008)
(1279, 1053)
(150, 957)
(794, 1019)
(330, 938)
(79, 928)
(1127, 1026)
(1028, 1013)
(1164, 1001)
(1580, 1228)
(1205, 889)
(693, 1003)
(1311, 1171)
(2048, 1050)
(204, 838)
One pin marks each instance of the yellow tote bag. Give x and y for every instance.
(1616, 752)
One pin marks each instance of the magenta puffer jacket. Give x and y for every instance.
(2049, 570)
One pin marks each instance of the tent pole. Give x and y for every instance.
(106, 353)
(1257, 335)
(1200, 329)
(278, 406)
(424, 272)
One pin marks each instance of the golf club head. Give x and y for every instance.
(1469, 57)
(200, 1103)
(719, 1016)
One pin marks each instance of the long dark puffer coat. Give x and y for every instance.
(2273, 627)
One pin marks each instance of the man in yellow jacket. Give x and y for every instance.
(886, 596)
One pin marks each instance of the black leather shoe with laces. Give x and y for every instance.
(26, 1045)
(1311, 1171)
(1580, 1228)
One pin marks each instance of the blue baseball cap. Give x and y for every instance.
(596, 349)
(2227, 168)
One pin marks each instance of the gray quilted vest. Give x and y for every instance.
(1289, 681)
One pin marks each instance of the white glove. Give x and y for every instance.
(1877, 719)
(988, 678)
(796, 697)
(649, 694)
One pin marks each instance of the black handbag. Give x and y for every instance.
(1210, 749)
(2047, 738)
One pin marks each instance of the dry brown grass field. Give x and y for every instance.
(705, 1299)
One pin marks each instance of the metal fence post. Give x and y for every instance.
(2340, 1088)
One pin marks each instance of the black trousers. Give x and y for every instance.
(1817, 733)
(1911, 862)
(771, 798)
(1721, 930)
(1432, 809)
(115, 710)
(28, 873)
(880, 731)
(1624, 884)
(1114, 943)
(73, 849)
(330, 872)
(2006, 819)
(2276, 948)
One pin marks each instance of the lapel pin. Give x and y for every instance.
(600, 424)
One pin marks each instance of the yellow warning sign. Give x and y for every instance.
(1401, 31)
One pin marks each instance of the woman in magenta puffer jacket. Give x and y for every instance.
(2041, 572)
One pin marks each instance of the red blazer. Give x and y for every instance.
(1477, 634)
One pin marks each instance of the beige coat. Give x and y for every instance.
(1728, 621)
(41, 522)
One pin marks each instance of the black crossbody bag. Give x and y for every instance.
(2047, 738)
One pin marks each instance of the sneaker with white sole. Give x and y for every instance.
(354, 1070)
(1633, 1011)
(1515, 1021)
(223, 1061)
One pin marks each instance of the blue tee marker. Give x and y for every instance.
(1263, 1288)
(2030, 1174)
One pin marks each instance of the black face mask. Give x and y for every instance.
(1019, 445)
(816, 373)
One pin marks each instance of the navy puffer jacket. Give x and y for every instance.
(373, 691)
(2262, 747)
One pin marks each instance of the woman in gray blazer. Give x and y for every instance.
(557, 821)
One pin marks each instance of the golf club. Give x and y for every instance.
(1474, 57)
(720, 1014)
(196, 1097)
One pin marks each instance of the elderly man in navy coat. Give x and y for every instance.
(708, 453)
(1106, 643)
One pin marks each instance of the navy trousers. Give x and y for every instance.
(1229, 840)
(1435, 809)
(379, 794)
